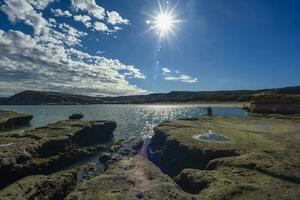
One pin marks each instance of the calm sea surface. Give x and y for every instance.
(132, 120)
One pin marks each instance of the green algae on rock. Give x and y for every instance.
(11, 120)
(54, 186)
(260, 157)
(129, 178)
(50, 148)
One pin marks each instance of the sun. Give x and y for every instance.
(164, 23)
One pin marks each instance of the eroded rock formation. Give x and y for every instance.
(260, 157)
(11, 120)
(47, 149)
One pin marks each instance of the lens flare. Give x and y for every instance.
(163, 21)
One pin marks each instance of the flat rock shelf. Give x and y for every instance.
(47, 149)
(240, 158)
(260, 160)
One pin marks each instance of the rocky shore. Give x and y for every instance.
(11, 120)
(258, 157)
(207, 158)
(47, 149)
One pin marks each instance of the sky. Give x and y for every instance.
(113, 47)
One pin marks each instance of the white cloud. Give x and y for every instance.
(169, 75)
(39, 4)
(90, 6)
(104, 17)
(60, 13)
(48, 60)
(84, 19)
(183, 78)
(166, 70)
(115, 18)
(17, 10)
(28, 64)
(99, 26)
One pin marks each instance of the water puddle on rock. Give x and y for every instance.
(211, 137)
(93, 167)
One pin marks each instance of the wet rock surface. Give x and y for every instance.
(259, 161)
(129, 178)
(48, 149)
(11, 120)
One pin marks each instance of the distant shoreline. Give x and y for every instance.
(202, 103)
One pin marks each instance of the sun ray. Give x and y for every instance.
(163, 21)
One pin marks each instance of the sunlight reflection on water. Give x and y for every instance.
(132, 120)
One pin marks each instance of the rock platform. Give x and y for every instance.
(260, 159)
(47, 149)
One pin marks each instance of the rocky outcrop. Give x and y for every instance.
(129, 178)
(47, 149)
(275, 107)
(11, 120)
(52, 187)
(235, 183)
(258, 157)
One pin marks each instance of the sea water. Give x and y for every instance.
(132, 120)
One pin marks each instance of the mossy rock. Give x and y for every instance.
(51, 187)
(267, 148)
(11, 120)
(50, 148)
(129, 178)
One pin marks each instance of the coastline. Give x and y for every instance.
(256, 150)
(202, 103)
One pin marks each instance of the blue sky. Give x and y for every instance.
(105, 47)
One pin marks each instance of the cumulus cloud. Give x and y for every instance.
(169, 75)
(60, 13)
(90, 6)
(49, 60)
(40, 4)
(115, 18)
(23, 11)
(99, 26)
(27, 64)
(104, 17)
(84, 19)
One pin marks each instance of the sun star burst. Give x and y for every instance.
(163, 22)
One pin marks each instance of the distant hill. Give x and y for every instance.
(38, 97)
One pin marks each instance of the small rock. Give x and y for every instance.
(76, 116)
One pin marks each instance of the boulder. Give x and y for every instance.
(258, 157)
(50, 148)
(76, 116)
(11, 120)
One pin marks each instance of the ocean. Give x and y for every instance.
(132, 120)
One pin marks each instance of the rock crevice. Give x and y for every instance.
(51, 148)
